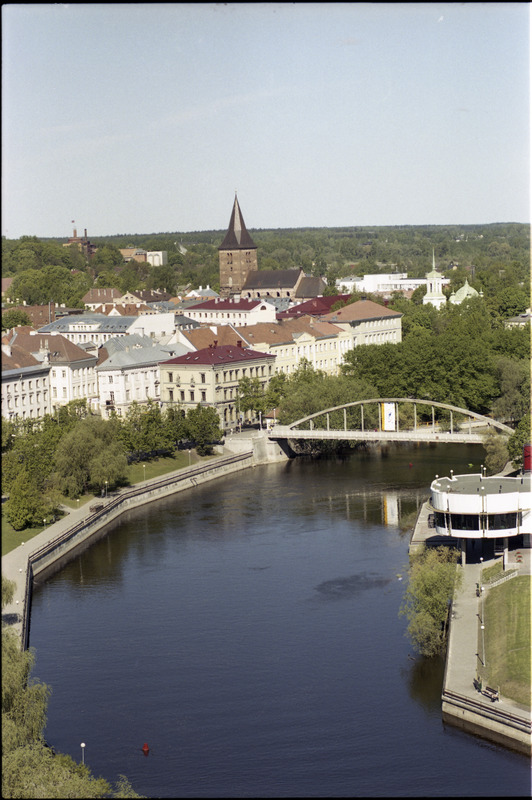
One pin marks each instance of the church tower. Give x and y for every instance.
(237, 254)
(434, 295)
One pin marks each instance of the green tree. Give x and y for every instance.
(514, 381)
(252, 395)
(8, 591)
(89, 456)
(432, 578)
(518, 440)
(496, 449)
(13, 318)
(143, 431)
(175, 425)
(203, 424)
(26, 506)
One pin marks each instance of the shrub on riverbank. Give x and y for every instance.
(432, 577)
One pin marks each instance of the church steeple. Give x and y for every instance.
(237, 254)
(237, 236)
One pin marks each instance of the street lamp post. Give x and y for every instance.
(106, 482)
(483, 659)
(83, 752)
(144, 468)
(189, 452)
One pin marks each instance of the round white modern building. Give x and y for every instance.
(488, 515)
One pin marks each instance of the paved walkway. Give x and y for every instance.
(464, 653)
(15, 563)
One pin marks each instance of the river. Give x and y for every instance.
(248, 632)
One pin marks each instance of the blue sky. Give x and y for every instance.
(146, 117)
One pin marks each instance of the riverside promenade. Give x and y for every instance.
(502, 721)
(60, 542)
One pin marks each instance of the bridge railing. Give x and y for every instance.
(390, 414)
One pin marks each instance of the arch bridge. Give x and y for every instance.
(333, 424)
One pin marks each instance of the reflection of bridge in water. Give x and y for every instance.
(374, 506)
(346, 422)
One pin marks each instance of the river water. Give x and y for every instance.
(248, 631)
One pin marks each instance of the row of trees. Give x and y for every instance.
(29, 767)
(75, 452)
(496, 258)
(461, 355)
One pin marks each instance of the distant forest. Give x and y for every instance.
(492, 257)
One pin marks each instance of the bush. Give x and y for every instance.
(432, 578)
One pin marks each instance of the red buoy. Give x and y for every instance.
(145, 748)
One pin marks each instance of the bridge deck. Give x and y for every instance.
(458, 437)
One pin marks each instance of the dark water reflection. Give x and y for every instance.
(249, 632)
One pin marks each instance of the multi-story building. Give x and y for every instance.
(321, 343)
(93, 329)
(487, 515)
(82, 243)
(98, 296)
(370, 322)
(210, 377)
(237, 255)
(128, 371)
(25, 384)
(70, 371)
(229, 311)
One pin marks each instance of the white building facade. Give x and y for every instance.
(232, 312)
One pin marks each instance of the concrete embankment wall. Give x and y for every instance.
(504, 722)
(64, 540)
(502, 727)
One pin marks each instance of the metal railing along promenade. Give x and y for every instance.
(122, 501)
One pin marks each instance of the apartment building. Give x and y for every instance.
(210, 377)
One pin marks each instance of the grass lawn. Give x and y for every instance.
(507, 639)
(492, 572)
(136, 473)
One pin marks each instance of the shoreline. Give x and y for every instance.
(505, 722)
(47, 552)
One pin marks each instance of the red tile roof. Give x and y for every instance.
(216, 356)
(219, 304)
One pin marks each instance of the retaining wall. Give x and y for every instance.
(60, 549)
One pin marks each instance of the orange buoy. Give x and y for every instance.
(145, 748)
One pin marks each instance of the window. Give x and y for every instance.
(203, 397)
(191, 396)
(202, 377)
(170, 377)
(171, 395)
(182, 396)
(110, 378)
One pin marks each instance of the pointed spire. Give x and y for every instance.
(237, 236)
(433, 260)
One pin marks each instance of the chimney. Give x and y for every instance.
(215, 343)
(239, 343)
(85, 233)
(75, 234)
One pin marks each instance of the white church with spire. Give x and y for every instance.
(434, 295)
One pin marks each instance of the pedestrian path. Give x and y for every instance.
(15, 563)
(465, 656)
